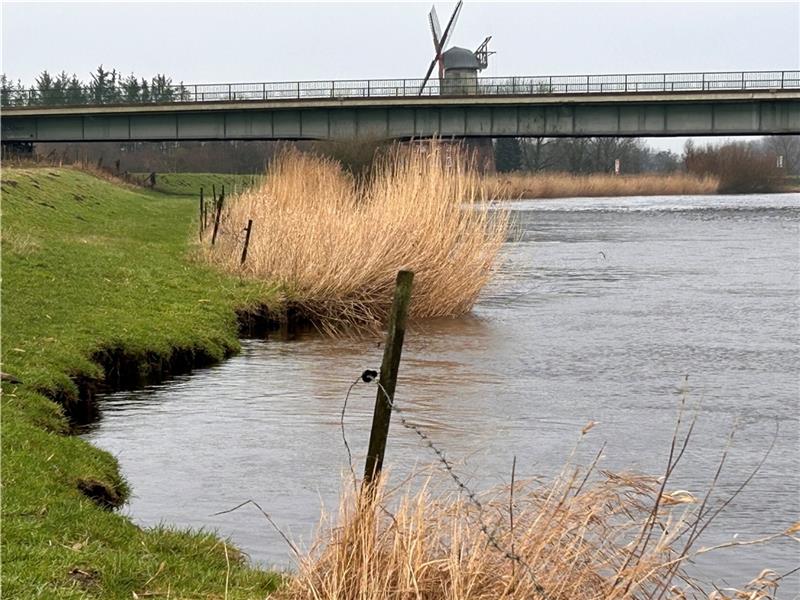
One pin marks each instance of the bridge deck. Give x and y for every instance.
(537, 85)
(620, 105)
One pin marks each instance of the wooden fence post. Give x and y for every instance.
(388, 377)
(248, 229)
(216, 218)
(202, 214)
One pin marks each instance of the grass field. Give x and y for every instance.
(91, 267)
(190, 183)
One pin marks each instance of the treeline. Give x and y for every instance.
(238, 156)
(763, 165)
(582, 155)
(167, 157)
(768, 164)
(104, 87)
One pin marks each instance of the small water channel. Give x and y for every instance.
(600, 311)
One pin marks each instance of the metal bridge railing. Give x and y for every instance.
(389, 88)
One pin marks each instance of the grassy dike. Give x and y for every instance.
(190, 183)
(98, 280)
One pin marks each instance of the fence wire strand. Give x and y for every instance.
(428, 442)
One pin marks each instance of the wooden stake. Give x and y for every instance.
(202, 214)
(388, 378)
(511, 513)
(248, 229)
(216, 219)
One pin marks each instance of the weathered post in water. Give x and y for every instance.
(247, 230)
(388, 377)
(216, 218)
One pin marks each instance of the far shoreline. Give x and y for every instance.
(516, 186)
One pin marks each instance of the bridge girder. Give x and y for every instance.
(580, 115)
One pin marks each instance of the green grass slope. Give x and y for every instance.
(190, 183)
(88, 267)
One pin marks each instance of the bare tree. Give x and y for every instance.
(787, 146)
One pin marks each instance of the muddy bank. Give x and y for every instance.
(124, 369)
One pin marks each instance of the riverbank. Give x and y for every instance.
(515, 186)
(98, 292)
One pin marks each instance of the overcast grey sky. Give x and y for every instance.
(222, 42)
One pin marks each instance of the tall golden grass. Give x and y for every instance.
(586, 534)
(336, 244)
(512, 186)
(616, 536)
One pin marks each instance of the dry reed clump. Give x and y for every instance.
(618, 537)
(336, 245)
(587, 534)
(564, 185)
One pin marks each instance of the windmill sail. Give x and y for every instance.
(451, 24)
(436, 30)
(440, 40)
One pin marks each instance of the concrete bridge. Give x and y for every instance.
(671, 104)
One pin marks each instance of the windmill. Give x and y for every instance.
(458, 67)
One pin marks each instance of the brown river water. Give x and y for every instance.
(601, 309)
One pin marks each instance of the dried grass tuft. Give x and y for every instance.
(587, 534)
(572, 544)
(336, 245)
(22, 244)
(570, 540)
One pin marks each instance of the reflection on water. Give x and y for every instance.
(600, 311)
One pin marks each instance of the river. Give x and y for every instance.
(604, 309)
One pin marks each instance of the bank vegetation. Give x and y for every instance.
(587, 534)
(335, 242)
(98, 293)
(519, 185)
(740, 168)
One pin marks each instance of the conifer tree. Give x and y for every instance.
(507, 155)
(6, 91)
(75, 92)
(131, 90)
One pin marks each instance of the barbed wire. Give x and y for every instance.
(238, 234)
(344, 436)
(369, 376)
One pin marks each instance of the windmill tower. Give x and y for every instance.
(458, 67)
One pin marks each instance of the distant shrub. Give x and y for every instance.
(741, 168)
